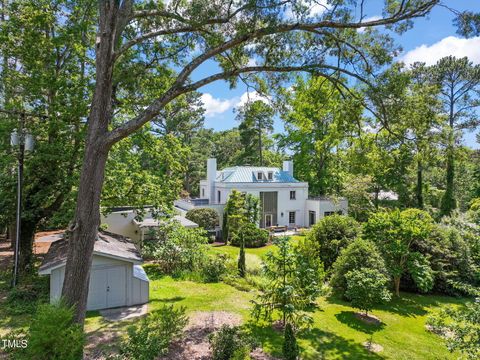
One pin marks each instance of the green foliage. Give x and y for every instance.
(359, 254)
(252, 208)
(53, 335)
(206, 218)
(215, 267)
(396, 233)
(330, 235)
(253, 236)
(176, 248)
(366, 288)
(153, 334)
(460, 328)
(292, 288)
(234, 215)
(290, 347)
(231, 343)
(27, 295)
(242, 266)
(317, 120)
(256, 121)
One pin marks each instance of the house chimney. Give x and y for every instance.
(211, 176)
(288, 167)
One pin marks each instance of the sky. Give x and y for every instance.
(430, 39)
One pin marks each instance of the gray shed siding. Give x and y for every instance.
(134, 291)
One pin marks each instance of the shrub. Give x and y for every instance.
(231, 342)
(252, 235)
(215, 267)
(24, 298)
(53, 335)
(206, 218)
(330, 235)
(366, 288)
(290, 346)
(152, 336)
(176, 248)
(398, 235)
(359, 254)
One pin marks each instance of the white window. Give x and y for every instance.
(293, 195)
(270, 175)
(260, 175)
(291, 217)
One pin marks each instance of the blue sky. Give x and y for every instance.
(430, 39)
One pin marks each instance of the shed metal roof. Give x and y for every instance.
(248, 174)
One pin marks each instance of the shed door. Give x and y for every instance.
(108, 288)
(116, 286)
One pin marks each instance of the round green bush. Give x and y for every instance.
(205, 217)
(330, 235)
(253, 236)
(359, 254)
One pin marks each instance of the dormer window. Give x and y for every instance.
(270, 175)
(259, 176)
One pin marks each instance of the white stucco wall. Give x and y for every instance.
(122, 223)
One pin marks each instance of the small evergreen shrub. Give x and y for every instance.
(53, 335)
(290, 346)
(24, 298)
(231, 342)
(152, 336)
(252, 235)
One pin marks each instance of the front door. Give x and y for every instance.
(268, 220)
(312, 216)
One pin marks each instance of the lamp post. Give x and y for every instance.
(25, 142)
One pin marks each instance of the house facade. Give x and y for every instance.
(284, 200)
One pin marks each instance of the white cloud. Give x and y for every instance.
(214, 106)
(451, 45)
(315, 7)
(371, 18)
(251, 96)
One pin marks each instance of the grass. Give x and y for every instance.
(336, 332)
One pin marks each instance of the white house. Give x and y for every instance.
(127, 221)
(116, 276)
(284, 200)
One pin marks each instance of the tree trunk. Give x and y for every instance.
(448, 200)
(84, 229)
(419, 189)
(27, 234)
(396, 281)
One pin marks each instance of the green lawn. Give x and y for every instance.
(336, 333)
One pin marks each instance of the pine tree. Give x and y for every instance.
(290, 346)
(242, 266)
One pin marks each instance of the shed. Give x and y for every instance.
(116, 276)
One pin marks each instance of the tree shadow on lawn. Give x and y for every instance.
(169, 300)
(350, 319)
(408, 305)
(323, 344)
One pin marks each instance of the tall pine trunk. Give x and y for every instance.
(27, 234)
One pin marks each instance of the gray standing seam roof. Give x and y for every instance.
(247, 174)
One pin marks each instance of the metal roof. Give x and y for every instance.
(248, 174)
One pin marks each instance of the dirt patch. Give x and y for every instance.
(369, 319)
(373, 347)
(6, 255)
(194, 343)
(440, 331)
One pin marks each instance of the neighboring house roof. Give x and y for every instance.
(155, 223)
(107, 244)
(248, 174)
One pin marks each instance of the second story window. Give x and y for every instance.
(293, 195)
(203, 192)
(270, 176)
(260, 176)
(219, 197)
